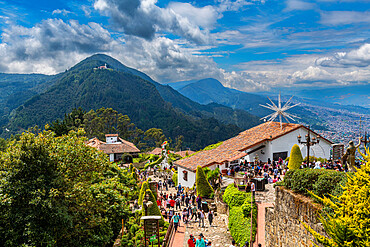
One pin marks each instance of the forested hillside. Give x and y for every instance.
(147, 103)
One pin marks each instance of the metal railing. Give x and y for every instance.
(169, 235)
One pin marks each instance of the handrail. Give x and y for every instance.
(169, 234)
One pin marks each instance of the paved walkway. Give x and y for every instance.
(179, 237)
(263, 199)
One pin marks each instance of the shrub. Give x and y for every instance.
(152, 164)
(153, 209)
(175, 178)
(233, 197)
(349, 223)
(246, 207)
(239, 225)
(320, 181)
(295, 159)
(152, 187)
(144, 187)
(204, 189)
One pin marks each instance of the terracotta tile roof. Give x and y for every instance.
(233, 148)
(183, 153)
(111, 148)
(156, 151)
(111, 135)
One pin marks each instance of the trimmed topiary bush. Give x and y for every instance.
(144, 187)
(295, 160)
(175, 178)
(153, 209)
(204, 189)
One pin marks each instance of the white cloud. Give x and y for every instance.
(298, 5)
(61, 11)
(357, 57)
(205, 17)
(334, 18)
(142, 18)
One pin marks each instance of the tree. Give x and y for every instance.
(295, 160)
(106, 120)
(155, 137)
(349, 223)
(179, 142)
(204, 189)
(57, 191)
(71, 121)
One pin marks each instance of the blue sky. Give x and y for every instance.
(254, 45)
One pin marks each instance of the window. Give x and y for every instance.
(185, 177)
(226, 165)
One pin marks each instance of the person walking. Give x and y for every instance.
(200, 241)
(176, 220)
(210, 217)
(201, 218)
(194, 213)
(178, 201)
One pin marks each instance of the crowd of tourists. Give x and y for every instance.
(183, 206)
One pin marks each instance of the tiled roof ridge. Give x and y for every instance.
(234, 147)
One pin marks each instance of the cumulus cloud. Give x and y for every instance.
(205, 17)
(334, 18)
(61, 11)
(144, 19)
(47, 46)
(358, 57)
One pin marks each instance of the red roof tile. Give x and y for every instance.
(110, 148)
(233, 148)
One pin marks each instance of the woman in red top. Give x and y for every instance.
(191, 241)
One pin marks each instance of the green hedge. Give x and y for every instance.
(204, 189)
(320, 181)
(239, 225)
(233, 197)
(239, 214)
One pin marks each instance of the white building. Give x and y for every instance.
(265, 141)
(114, 147)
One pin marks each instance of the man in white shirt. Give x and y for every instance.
(253, 189)
(232, 244)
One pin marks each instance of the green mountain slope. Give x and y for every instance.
(82, 86)
(15, 89)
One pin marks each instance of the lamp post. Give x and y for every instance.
(308, 143)
(146, 205)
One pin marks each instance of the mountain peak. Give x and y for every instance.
(210, 82)
(101, 59)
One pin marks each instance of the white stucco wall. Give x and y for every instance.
(191, 177)
(286, 142)
(111, 157)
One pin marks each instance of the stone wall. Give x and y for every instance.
(283, 227)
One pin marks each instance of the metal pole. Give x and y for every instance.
(308, 148)
(159, 245)
(145, 233)
(251, 244)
